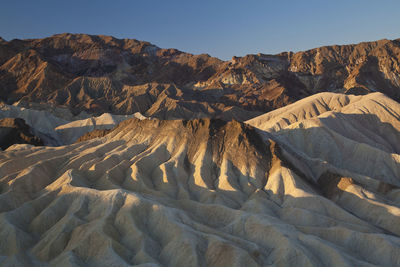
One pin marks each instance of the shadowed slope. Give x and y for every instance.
(15, 131)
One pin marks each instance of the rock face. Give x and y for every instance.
(102, 74)
(15, 131)
(92, 135)
(308, 184)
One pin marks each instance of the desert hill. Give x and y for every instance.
(58, 126)
(355, 133)
(308, 184)
(102, 74)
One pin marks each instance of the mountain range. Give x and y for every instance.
(100, 74)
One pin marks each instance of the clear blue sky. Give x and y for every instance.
(219, 28)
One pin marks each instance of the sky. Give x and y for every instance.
(219, 28)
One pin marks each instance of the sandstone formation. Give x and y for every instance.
(313, 183)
